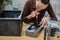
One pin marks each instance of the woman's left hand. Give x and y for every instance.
(44, 21)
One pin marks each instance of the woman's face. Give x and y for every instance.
(40, 5)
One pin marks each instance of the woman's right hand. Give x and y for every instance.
(33, 14)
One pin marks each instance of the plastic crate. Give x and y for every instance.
(34, 32)
(10, 25)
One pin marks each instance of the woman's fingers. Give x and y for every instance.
(44, 21)
(33, 14)
(37, 13)
(41, 21)
(29, 17)
(43, 24)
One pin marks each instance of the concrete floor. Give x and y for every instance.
(24, 37)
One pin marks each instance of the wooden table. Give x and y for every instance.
(24, 37)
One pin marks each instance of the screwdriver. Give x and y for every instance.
(37, 19)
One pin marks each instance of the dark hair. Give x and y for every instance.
(45, 1)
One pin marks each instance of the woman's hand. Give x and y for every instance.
(44, 21)
(33, 14)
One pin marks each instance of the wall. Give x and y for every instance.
(20, 4)
(17, 4)
(56, 7)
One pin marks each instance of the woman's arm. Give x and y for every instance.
(51, 12)
(26, 11)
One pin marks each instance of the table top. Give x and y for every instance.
(24, 37)
(40, 37)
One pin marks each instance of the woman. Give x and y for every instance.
(38, 8)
